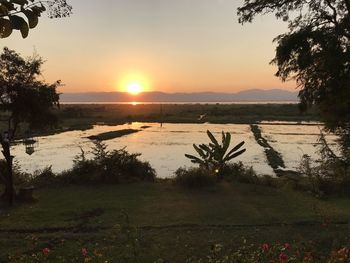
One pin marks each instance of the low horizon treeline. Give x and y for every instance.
(158, 96)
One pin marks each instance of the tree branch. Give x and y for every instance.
(335, 13)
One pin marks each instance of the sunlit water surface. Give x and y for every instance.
(164, 147)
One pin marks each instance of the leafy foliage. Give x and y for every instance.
(117, 166)
(283, 253)
(194, 178)
(327, 175)
(238, 172)
(23, 15)
(23, 96)
(133, 246)
(214, 156)
(316, 53)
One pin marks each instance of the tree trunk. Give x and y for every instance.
(9, 193)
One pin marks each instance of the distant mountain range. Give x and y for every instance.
(247, 95)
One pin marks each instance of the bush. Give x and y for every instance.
(202, 177)
(194, 178)
(44, 177)
(215, 156)
(329, 176)
(117, 166)
(238, 172)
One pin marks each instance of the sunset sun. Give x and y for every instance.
(133, 82)
(134, 88)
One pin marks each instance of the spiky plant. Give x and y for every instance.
(214, 156)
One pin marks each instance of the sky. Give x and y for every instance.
(164, 45)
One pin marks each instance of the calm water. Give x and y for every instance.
(164, 147)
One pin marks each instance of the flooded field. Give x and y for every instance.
(293, 141)
(164, 147)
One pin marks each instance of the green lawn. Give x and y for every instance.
(172, 223)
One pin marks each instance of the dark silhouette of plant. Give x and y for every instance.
(214, 156)
(116, 166)
(24, 98)
(23, 15)
(316, 53)
(194, 177)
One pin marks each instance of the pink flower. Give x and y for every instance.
(283, 257)
(265, 247)
(84, 252)
(287, 246)
(46, 251)
(344, 253)
(308, 258)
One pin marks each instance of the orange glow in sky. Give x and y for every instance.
(133, 83)
(134, 88)
(168, 46)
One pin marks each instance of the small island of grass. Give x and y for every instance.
(112, 134)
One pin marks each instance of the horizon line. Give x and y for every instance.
(183, 92)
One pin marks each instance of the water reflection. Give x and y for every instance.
(164, 147)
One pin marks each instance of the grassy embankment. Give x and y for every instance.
(171, 223)
(83, 116)
(113, 134)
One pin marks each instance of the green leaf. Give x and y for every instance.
(43, 8)
(194, 159)
(19, 23)
(205, 148)
(5, 28)
(212, 138)
(3, 10)
(211, 145)
(199, 151)
(236, 147)
(33, 19)
(8, 5)
(230, 157)
(226, 142)
(37, 10)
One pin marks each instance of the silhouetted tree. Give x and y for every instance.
(24, 98)
(24, 14)
(316, 53)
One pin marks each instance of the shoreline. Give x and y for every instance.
(84, 116)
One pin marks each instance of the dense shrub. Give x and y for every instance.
(44, 177)
(117, 166)
(194, 178)
(329, 176)
(238, 172)
(202, 177)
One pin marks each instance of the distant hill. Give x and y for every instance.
(248, 95)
